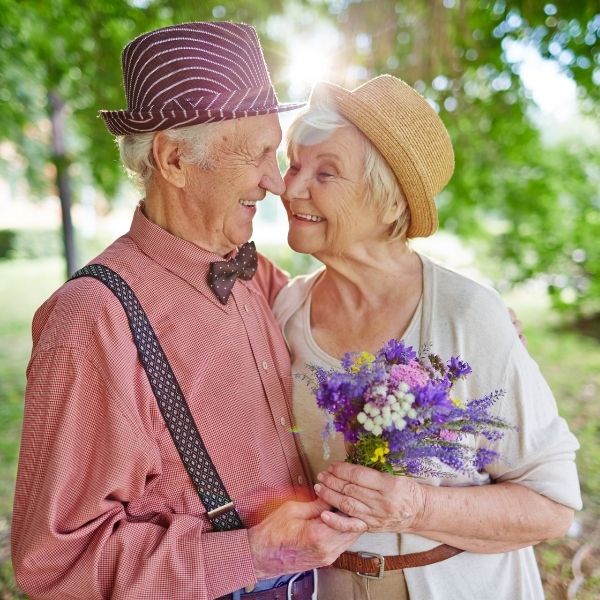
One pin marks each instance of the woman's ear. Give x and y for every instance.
(167, 159)
(392, 214)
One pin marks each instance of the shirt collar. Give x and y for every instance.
(182, 258)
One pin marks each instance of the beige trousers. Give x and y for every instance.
(339, 584)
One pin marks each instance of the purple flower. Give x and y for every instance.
(397, 353)
(407, 401)
(483, 457)
(458, 368)
(434, 395)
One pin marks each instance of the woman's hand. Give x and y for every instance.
(485, 519)
(384, 502)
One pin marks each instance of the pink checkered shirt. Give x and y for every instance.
(103, 505)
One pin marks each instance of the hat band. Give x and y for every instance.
(191, 102)
(192, 109)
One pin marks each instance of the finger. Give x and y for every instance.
(363, 476)
(343, 523)
(347, 504)
(368, 496)
(308, 510)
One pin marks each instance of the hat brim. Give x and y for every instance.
(424, 220)
(125, 122)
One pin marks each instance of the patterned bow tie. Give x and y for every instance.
(223, 273)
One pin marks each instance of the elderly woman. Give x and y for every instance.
(365, 166)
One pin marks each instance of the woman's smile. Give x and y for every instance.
(308, 218)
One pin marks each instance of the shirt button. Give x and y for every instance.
(282, 421)
(246, 308)
(300, 479)
(265, 365)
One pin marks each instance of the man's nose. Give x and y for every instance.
(272, 180)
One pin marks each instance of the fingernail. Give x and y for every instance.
(317, 488)
(320, 477)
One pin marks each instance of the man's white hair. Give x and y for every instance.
(195, 143)
(320, 121)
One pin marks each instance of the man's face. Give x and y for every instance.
(244, 168)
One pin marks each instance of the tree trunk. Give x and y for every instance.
(60, 160)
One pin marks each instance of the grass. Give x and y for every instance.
(569, 360)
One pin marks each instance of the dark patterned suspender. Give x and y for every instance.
(173, 406)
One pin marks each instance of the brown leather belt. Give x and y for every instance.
(373, 566)
(302, 588)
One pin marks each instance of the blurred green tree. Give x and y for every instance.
(59, 64)
(531, 203)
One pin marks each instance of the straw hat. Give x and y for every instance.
(193, 73)
(407, 132)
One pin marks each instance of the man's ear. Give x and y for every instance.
(167, 159)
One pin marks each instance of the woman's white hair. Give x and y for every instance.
(195, 143)
(383, 190)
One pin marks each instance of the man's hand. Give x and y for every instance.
(295, 538)
(384, 502)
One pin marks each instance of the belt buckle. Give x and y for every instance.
(381, 559)
(296, 576)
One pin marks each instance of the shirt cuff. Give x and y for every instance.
(228, 563)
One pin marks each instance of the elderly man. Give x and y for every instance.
(158, 456)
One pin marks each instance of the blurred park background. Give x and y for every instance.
(517, 83)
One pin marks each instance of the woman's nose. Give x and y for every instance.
(296, 187)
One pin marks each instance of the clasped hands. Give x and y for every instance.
(301, 535)
(384, 502)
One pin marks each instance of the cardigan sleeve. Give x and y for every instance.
(472, 320)
(540, 453)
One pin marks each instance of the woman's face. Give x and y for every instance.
(325, 195)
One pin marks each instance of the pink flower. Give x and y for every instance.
(412, 374)
(448, 436)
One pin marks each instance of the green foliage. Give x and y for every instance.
(7, 241)
(73, 49)
(29, 243)
(530, 204)
(292, 262)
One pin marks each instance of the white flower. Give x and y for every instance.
(361, 417)
(399, 422)
(377, 430)
(380, 390)
(368, 425)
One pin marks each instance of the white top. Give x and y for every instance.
(457, 317)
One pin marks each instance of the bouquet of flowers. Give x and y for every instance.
(398, 414)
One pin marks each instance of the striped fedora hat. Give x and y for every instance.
(193, 73)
